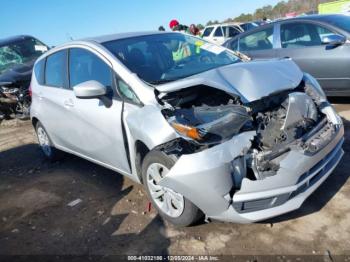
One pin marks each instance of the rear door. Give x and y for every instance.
(207, 33)
(258, 44)
(302, 41)
(52, 96)
(218, 36)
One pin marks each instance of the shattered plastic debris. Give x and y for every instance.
(106, 221)
(74, 202)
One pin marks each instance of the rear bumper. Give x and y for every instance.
(205, 178)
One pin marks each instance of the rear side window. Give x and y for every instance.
(39, 71)
(55, 71)
(85, 66)
(218, 32)
(208, 31)
(249, 26)
(230, 31)
(261, 40)
(245, 27)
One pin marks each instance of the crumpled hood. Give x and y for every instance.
(250, 80)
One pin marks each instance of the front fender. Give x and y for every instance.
(205, 177)
(148, 125)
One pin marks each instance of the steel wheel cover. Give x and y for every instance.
(167, 200)
(44, 141)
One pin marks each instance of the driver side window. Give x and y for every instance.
(299, 35)
(85, 66)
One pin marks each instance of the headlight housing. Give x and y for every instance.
(209, 125)
(313, 89)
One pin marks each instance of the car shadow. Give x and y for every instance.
(150, 240)
(29, 157)
(100, 189)
(339, 100)
(318, 199)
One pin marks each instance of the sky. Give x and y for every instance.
(56, 21)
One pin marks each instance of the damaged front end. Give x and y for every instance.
(248, 161)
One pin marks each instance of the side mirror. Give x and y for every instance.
(90, 89)
(334, 40)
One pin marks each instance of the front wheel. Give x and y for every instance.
(171, 205)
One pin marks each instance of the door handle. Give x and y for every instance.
(68, 103)
(40, 95)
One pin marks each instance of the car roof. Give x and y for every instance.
(12, 39)
(224, 24)
(112, 37)
(321, 18)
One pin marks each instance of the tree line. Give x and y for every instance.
(277, 11)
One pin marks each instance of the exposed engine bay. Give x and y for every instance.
(205, 116)
(14, 99)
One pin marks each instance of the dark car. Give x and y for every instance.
(17, 57)
(250, 25)
(319, 44)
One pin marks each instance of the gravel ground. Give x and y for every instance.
(112, 217)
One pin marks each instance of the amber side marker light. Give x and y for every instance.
(188, 131)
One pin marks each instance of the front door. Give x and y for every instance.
(52, 96)
(330, 65)
(95, 127)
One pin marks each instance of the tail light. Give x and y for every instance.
(30, 89)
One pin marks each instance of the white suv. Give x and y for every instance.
(219, 34)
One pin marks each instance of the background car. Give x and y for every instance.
(220, 33)
(319, 44)
(250, 25)
(17, 57)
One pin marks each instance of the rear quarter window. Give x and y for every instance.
(207, 31)
(39, 71)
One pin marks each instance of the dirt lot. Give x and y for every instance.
(113, 217)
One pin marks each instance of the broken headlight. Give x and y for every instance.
(209, 125)
(313, 89)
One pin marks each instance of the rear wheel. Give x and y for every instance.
(49, 151)
(171, 205)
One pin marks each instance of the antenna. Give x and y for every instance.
(69, 37)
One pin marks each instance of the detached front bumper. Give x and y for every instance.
(205, 178)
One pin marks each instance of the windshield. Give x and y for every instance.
(20, 52)
(163, 58)
(341, 21)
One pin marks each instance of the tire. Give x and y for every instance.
(45, 144)
(187, 214)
